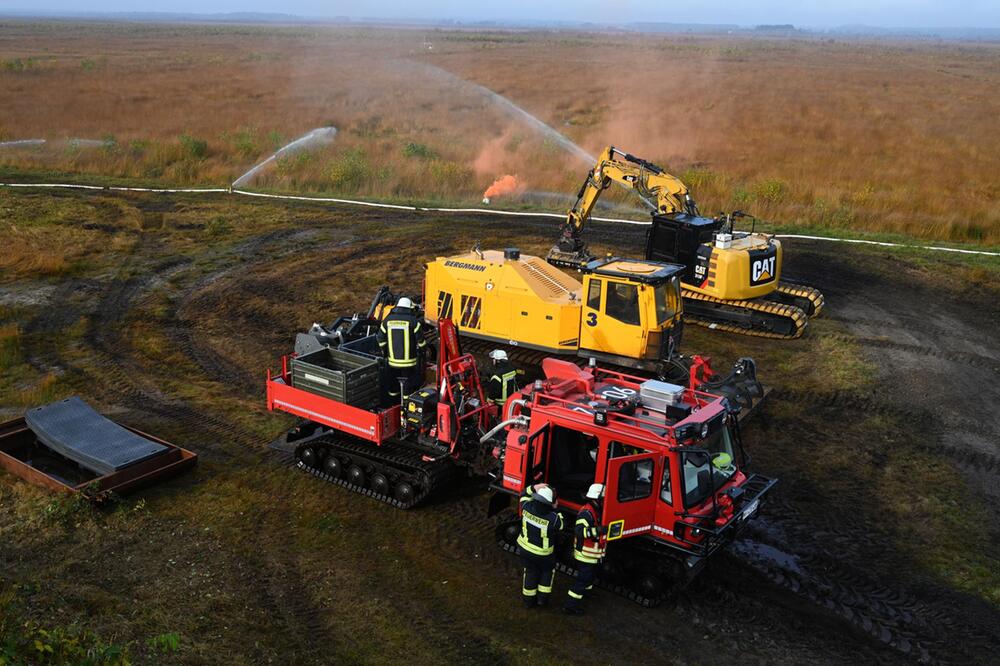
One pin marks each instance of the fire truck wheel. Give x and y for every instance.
(404, 491)
(650, 585)
(356, 475)
(380, 483)
(332, 466)
(309, 457)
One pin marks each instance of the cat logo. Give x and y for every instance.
(762, 267)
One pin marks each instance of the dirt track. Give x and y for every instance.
(824, 576)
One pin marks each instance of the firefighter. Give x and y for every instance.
(588, 549)
(540, 523)
(503, 381)
(401, 339)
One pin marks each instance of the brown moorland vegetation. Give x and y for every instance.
(853, 135)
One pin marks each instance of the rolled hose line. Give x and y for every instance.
(518, 420)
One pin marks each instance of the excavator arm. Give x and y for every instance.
(615, 166)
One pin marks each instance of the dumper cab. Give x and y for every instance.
(670, 459)
(632, 309)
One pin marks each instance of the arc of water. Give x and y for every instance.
(514, 110)
(317, 137)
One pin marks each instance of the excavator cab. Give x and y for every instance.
(631, 309)
(719, 262)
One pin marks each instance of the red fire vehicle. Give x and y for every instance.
(671, 460)
(671, 457)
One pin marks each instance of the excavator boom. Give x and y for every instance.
(651, 182)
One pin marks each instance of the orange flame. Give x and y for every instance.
(501, 186)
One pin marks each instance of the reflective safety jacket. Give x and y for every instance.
(588, 546)
(540, 523)
(400, 338)
(503, 383)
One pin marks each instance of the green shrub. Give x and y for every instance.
(110, 144)
(697, 178)
(276, 139)
(196, 148)
(88, 64)
(138, 147)
(449, 177)
(350, 170)
(514, 143)
(420, 150)
(16, 64)
(217, 227)
(10, 346)
(166, 643)
(772, 191)
(27, 642)
(288, 164)
(244, 141)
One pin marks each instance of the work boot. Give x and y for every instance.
(543, 600)
(573, 610)
(529, 602)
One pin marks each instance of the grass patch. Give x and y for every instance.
(26, 641)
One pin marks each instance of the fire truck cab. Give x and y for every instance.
(670, 458)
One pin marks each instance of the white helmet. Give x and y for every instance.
(498, 355)
(404, 302)
(544, 493)
(596, 491)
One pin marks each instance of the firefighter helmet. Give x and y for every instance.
(404, 302)
(544, 493)
(596, 491)
(498, 355)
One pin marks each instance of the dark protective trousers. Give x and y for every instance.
(538, 572)
(413, 376)
(584, 582)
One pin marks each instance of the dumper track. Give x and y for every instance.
(397, 463)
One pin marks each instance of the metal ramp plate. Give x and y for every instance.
(72, 428)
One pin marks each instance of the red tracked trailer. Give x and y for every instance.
(670, 457)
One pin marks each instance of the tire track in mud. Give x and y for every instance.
(954, 356)
(870, 403)
(817, 568)
(286, 595)
(213, 364)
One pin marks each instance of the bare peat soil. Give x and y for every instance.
(251, 561)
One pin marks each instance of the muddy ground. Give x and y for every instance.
(879, 545)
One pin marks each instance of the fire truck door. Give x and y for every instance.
(536, 456)
(630, 497)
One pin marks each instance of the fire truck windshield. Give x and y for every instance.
(707, 465)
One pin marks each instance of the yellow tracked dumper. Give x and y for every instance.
(626, 312)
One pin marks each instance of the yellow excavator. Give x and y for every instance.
(731, 279)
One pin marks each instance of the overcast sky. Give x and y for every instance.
(814, 13)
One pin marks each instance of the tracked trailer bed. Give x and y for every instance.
(68, 447)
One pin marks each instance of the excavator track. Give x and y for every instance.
(509, 519)
(759, 317)
(808, 299)
(406, 477)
